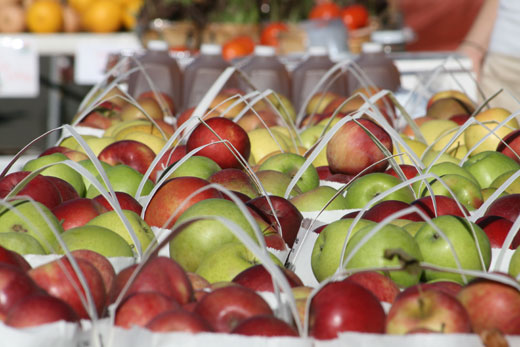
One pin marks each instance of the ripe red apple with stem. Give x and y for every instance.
(224, 308)
(223, 154)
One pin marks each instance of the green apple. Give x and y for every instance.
(71, 143)
(33, 223)
(87, 164)
(372, 253)
(96, 144)
(98, 239)
(413, 227)
(466, 191)
(276, 183)
(487, 192)
(228, 260)
(447, 167)
(435, 248)
(21, 243)
(488, 165)
(62, 171)
(430, 155)
(315, 200)
(194, 242)
(327, 248)
(112, 221)
(123, 178)
(512, 188)
(283, 105)
(514, 263)
(196, 166)
(309, 137)
(290, 163)
(368, 186)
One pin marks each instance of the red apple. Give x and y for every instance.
(160, 274)
(160, 97)
(102, 264)
(197, 281)
(409, 171)
(351, 150)
(135, 154)
(173, 198)
(262, 118)
(40, 309)
(67, 191)
(59, 279)
(444, 206)
(77, 212)
(39, 188)
(512, 150)
(492, 305)
(497, 228)
(15, 285)
(236, 180)
(345, 306)
(507, 206)
(430, 309)
(140, 308)
(96, 119)
(224, 308)
(14, 259)
(385, 208)
(259, 279)
(171, 156)
(448, 287)
(69, 153)
(178, 320)
(289, 217)
(380, 285)
(460, 118)
(221, 153)
(275, 241)
(264, 325)
(126, 201)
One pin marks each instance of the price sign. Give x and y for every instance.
(19, 68)
(92, 56)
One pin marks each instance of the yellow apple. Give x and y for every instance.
(154, 142)
(490, 118)
(96, 144)
(416, 146)
(262, 143)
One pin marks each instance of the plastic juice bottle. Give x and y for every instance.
(308, 73)
(163, 71)
(378, 67)
(202, 72)
(266, 71)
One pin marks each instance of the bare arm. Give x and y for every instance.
(476, 43)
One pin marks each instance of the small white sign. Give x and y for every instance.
(92, 56)
(19, 68)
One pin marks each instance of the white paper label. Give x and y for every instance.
(19, 68)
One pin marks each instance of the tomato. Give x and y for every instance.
(355, 16)
(237, 47)
(326, 11)
(270, 32)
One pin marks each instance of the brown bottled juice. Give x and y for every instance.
(163, 71)
(378, 67)
(308, 73)
(202, 72)
(265, 71)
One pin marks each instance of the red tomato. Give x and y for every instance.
(238, 47)
(355, 16)
(326, 11)
(270, 32)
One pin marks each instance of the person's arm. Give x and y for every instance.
(476, 43)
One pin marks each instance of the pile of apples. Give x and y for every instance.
(212, 211)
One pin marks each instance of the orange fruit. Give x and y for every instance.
(325, 11)
(44, 16)
(80, 5)
(238, 47)
(103, 16)
(131, 11)
(270, 33)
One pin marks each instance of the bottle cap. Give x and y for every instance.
(210, 49)
(157, 45)
(264, 50)
(371, 47)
